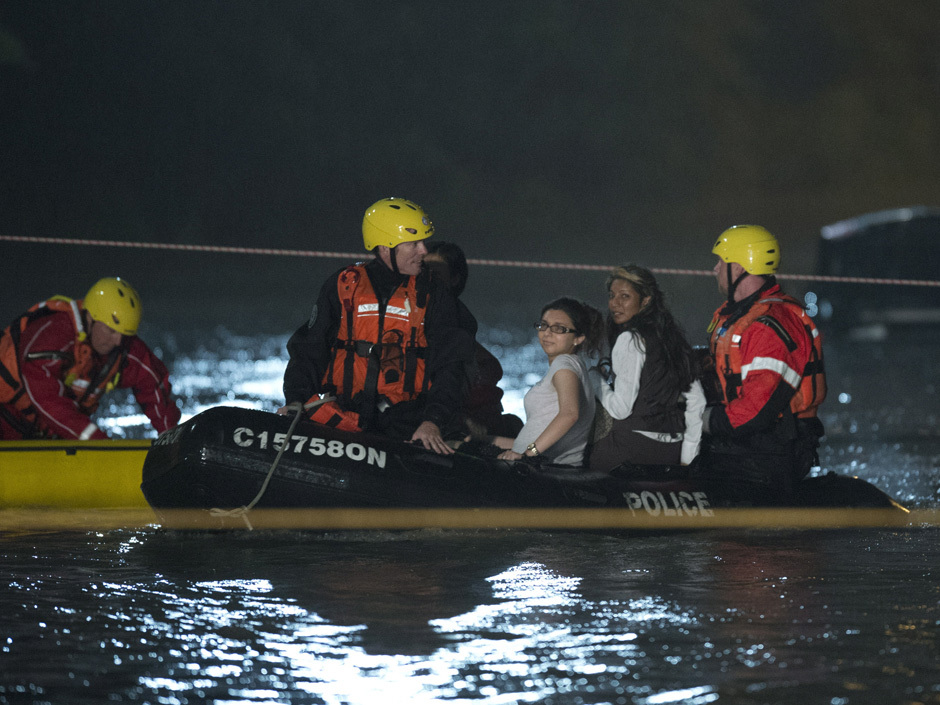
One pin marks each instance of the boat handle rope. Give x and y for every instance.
(244, 509)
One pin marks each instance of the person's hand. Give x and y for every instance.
(291, 408)
(603, 368)
(509, 455)
(430, 437)
(502, 442)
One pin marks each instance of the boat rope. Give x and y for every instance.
(299, 410)
(353, 256)
(242, 511)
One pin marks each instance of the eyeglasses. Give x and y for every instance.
(554, 328)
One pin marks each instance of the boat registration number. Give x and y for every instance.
(247, 438)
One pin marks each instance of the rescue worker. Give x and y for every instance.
(384, 340)
(58, 360)
(762, 429)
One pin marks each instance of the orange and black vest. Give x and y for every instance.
(380, 352)
(725, 345)
(84, 384)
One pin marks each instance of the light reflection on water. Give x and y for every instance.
(495, 617)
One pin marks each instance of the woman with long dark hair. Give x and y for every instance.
(648, 386)
(559, 408)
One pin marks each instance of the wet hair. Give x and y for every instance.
(456, 262)
(654, 322)
(586, 319)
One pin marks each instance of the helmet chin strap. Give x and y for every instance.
(733, 284)
(392, 260)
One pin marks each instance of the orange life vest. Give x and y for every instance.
(725, 345)
(85, 389)
(379, 354)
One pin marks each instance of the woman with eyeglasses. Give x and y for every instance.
(559, 408)
(648, 386)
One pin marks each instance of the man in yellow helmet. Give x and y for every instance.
(763, 432)
(59, 358)
(384, 340)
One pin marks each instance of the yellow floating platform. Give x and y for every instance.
(72, 474)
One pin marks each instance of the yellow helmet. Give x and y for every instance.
(115, 303)
(751, 246)
(393, 221)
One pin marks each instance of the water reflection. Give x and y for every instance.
(367, 626)
(177, 617)
(363, 627)
(539, 621)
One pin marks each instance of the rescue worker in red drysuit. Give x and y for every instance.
(59, 358)
(384, 340)
(762, 430)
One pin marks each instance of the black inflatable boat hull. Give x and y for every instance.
(222, 457)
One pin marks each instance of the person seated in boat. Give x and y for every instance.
(651, 403)
(484, 414)
(382, 350)
(560, 407)
(58, 360)
(761, 426)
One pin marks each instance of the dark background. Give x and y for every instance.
(578, 132)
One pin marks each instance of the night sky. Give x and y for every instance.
(588, 132)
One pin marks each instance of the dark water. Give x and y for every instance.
(738, 617)
(839, 617)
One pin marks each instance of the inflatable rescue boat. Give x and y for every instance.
(226, 457)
